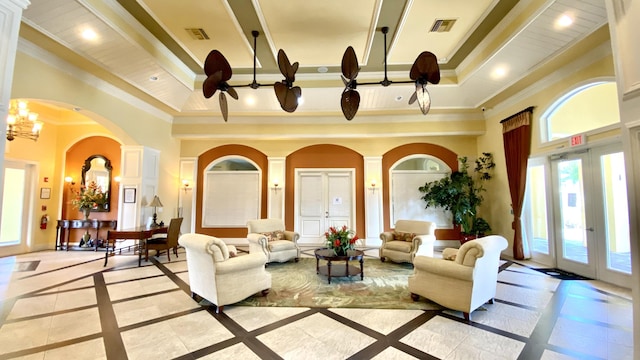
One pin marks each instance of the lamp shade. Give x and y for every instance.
(155, 202)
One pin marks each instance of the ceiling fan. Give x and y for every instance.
(218, 72)
(424, 70)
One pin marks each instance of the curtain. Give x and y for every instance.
(516, 135)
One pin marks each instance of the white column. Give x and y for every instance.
(140, 169)
(186, 198)
(624, 27)
(10, 15)
(275, 193)
(373, 199)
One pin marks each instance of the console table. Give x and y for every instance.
(64, 226)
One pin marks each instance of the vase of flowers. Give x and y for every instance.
(88, 198)
(340, 240)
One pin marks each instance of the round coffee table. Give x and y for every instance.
(339, 270)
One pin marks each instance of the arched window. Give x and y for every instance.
(587, 107)
(231, 192)
(407, 175)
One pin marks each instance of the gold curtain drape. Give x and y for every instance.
(516, 135)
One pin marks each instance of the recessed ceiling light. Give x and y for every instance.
(323, 69)
(399, 98)
(564, 21)
(250, 100)
(89, 34)
(153, 78)
(499, 72)
(300, 100)
(76, 109)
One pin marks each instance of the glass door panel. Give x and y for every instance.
(615, 257)
(572, 211)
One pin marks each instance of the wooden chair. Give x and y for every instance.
(165, 242)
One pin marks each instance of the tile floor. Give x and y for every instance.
(66, 305)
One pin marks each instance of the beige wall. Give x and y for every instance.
(115, 118)
(498, 209)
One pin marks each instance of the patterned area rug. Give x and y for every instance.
(297, 285)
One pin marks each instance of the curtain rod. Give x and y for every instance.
(529, 109)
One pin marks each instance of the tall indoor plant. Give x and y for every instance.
(461, 193)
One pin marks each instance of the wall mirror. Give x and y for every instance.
(98, 168)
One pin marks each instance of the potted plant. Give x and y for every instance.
(461, 193)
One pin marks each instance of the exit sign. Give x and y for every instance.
(577, 140)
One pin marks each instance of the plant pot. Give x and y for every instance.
(467, 237)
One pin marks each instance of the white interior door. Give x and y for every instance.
(324, 198)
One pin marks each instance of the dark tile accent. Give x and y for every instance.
(113, 344)
(26, 266)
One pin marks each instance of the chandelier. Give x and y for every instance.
(21, 122)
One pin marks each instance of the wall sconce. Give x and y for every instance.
(373, 187)
(185, 185)
(275, 186)
(69, 180)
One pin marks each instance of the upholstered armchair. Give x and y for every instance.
(268, 236)
(409, 238)
(218, 275)
(465, 280)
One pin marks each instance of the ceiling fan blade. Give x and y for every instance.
(424, 99)
(288, 98)
(232, 92)
(285, 66)
(350, 102)
(214, 62)
(350, 64)
(223, 106)
(211, 84)
(425, 67)
(413, 98)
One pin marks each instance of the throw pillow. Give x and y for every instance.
(274, 235)
(403, 236)
(449, 253)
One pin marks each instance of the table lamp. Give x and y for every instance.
(155, 203)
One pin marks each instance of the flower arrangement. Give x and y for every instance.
(341, 239)
(89, 197)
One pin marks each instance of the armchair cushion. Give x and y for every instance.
(399, 246)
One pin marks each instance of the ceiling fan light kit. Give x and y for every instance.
(424, 70)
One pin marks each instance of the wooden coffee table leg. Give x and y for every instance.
(361, 269)
(329, 270)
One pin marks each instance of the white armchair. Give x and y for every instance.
(220, 278)
(409, 238)
(268, 236)
(464, 283)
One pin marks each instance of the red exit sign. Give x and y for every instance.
(577, 140)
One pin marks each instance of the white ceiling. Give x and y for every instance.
(138, 40)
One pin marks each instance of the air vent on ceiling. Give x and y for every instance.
(442, 25)
(198, 33)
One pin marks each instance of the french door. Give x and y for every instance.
(324, 198)
(591, 214)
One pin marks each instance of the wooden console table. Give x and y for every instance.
(64, 226)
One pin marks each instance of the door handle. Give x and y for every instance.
(590, 229)
(326, 214)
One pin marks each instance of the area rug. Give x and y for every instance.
(297, 285)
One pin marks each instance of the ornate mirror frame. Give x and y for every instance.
(86, 170)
